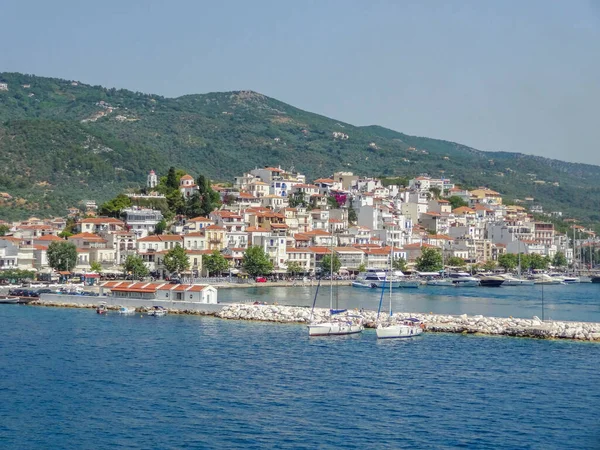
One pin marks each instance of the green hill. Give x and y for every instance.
(63, 141)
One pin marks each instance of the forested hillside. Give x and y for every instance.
(64, 141)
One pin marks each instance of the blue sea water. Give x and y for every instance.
(72, 379)
(577, 302)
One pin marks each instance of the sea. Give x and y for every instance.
(72, 379)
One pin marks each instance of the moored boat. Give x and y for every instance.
(101, 308)
(490, 280)
(509, 280)
(439, 282)
(410, 327)
(157, 311)
(9, 300)
(126, 311)
(463, 279)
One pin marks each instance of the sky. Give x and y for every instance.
(517, 76)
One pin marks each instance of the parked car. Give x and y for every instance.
(261, 279)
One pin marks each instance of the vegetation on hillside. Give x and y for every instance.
(62, 142)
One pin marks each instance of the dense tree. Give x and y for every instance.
(399, 264)
(160, 227)
(508, 261)
(176, 260)
(209, 199)
(352, 217)
(457, 201)
(430, 260)
(328, 261)
(134, 265)
(294, 268)
(62, 256)
(215, 263)
(455, 261)
(113, 208)
(362, 267)
(559, 260)
(16, 274)
(489, 265)
(297, 199)
(256, 262)
(96, 267)
(534, 261)
(435, 192)
(4, 229)
(172, 181)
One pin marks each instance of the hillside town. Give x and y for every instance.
(297, 222)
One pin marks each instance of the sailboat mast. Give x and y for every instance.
(391, 268)
(331, 273)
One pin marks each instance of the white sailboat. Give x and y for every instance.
(337, 325)
(394, 330)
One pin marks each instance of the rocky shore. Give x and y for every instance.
(501, 326)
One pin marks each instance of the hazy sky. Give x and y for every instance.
(506, 75)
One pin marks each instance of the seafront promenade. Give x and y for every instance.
(444, 323)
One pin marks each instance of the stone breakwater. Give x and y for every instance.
(501, 326)
(534, 327)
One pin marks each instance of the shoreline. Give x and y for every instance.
(434, 323)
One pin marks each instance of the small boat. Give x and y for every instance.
(596, 279)
(9, 300)
(361, 284)
(544, 278)
(157, 311)
(126, 311)
(101, 308)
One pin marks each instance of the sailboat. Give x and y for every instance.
(407, 329)
(337, 325)
(509, 280)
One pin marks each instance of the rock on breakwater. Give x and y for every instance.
(510, 326)
(502, 326)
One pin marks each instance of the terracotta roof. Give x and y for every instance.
(463, 210)
(200, 219)
(214, 227)
(273, 169)
(48, 237)
(256, 230)
(186, 177)
(100, 220)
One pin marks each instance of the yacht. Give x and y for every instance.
(463, 279)
(490, 280)
(509, 280)
(544, 278)
(565, 278)
(373, 278)
(439, 282)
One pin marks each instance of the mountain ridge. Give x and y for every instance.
(92, 142)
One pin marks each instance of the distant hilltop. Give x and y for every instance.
(63, 141)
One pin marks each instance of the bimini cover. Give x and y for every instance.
(337, 311)
(412, 319)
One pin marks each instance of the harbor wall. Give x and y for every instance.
(84, 300)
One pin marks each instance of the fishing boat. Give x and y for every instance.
(338, 324)
(101, 308)
(126, 310)
(9, 300)
(157, 311)
(407, 329)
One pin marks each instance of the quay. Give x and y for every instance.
(440, 323)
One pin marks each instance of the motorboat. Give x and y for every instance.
(509, 280)
(490, 280)
(101, 308)
(440, 282)
(373, 278)
(126, 310)
(9, 300)
(565, 278)
(544, 278)
(410, 327)
(157, 311)
(463, 279)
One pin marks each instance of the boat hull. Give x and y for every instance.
(468, 283)
(517, 282)
(334, 329)
(9, 300)
(397, 331)
(440, 283)
(491, 283)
